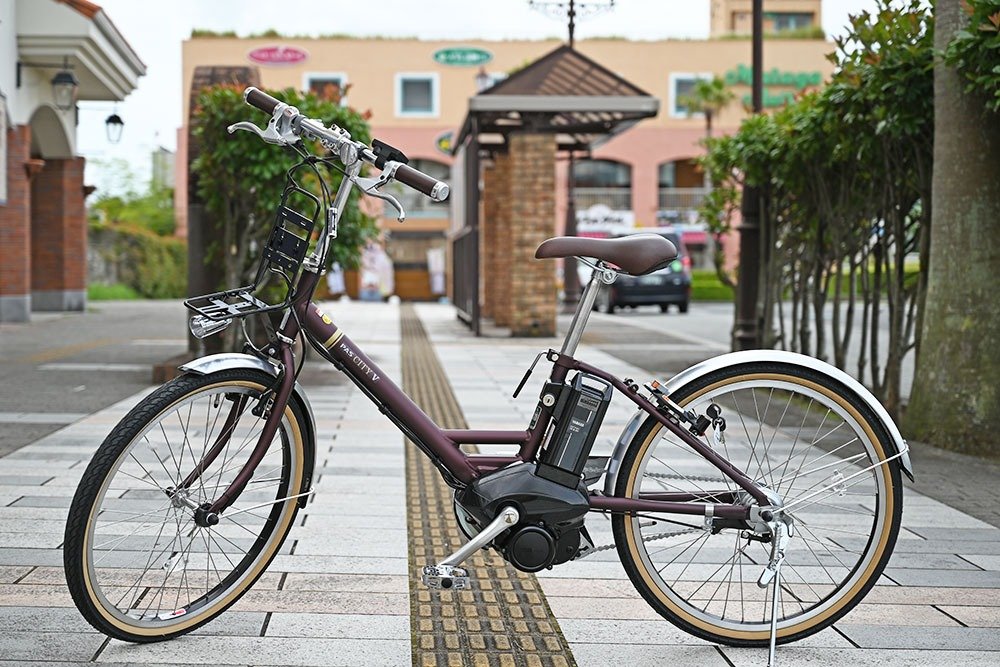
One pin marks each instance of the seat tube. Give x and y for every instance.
(582, 314)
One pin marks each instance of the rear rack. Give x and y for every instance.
(282, 255)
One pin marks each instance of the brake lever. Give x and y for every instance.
(370, 186)
(278, 130)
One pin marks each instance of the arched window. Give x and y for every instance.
(602, 182)
(420, 205)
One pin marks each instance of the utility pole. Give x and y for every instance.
(747, 330)
(557, 9)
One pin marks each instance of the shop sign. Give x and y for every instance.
(463, 56)
(601, 220)
(278, 54)
(742, 75)
(443, 142)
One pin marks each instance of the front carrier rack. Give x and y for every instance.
(282, 255)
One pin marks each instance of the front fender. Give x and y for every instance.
(750, 356)
(214, 363)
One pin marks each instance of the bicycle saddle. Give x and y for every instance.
(636, 254)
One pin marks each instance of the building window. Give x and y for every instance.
(417, 95)
(681, 86)
(326, 85)
(418, 205)
(782, 21)
(603, 182)
(668, 175)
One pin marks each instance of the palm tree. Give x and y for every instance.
(709, 97)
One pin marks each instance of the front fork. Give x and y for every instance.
(273, 402)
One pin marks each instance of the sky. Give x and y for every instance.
(152, 113)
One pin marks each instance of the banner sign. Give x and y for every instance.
(463, 56)
(277, 55)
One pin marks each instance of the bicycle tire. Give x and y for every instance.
(133, 470)
(819, 584)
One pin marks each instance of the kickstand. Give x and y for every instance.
(771, 575)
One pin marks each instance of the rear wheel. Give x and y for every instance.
(805, 438)
(138, 565)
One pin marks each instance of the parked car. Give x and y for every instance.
(668, 286)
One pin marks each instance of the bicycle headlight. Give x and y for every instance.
(203, 327)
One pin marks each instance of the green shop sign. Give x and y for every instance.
(743, 75)
(463, 56)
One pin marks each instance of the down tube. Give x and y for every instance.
(357, 364)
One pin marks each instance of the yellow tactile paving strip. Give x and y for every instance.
(504, 621)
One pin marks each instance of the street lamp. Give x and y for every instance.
(483, 80)
(64, 84)
(114, 126)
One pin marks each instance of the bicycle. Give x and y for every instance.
(755, 498)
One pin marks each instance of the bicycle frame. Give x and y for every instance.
(443, 445)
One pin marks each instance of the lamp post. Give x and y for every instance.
(746, 333)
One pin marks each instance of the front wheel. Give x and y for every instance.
(804, 437)
(138, 565)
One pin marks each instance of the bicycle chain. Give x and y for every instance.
(693, 478)
(651, 538)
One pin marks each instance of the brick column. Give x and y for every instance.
(488, 230)
(58, 237)
(15, 234)
(532, 187)
(499, 274)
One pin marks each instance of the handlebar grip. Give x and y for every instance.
(418, 180)
(260, 100)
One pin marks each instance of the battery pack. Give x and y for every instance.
(578, 418)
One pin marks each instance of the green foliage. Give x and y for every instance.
(112, 292)
(842, 173)
(153, 210)
(812, 32)
(708, 97)
(152, 265)
(240, 179)
(975, 50)
(706, 286)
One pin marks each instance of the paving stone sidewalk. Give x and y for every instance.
(338, 594)
(938, 602)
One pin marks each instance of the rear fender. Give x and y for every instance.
(750, 356)
(222, 362)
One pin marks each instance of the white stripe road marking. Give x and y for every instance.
(120, 368)
(41, 417)
(165, 342)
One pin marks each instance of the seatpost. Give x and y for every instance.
(582, 313)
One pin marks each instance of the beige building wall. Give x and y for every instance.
(373, 67)
(733, 17)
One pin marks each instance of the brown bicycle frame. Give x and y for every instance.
(443, 445)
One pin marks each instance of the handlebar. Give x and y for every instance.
(260, 100)
(340, 142)
(421, 182)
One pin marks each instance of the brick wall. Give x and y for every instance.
(15, 235)
(488, 225)
(58, 236)
(532, 213)
(499, 274)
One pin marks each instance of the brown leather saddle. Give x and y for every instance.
(636, 254)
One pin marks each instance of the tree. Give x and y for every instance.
(241, 178)
(956, 393)
(708, 97)
(844, 175)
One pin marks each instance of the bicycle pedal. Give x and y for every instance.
(445, 577)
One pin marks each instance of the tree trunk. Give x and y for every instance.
(956, 395)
